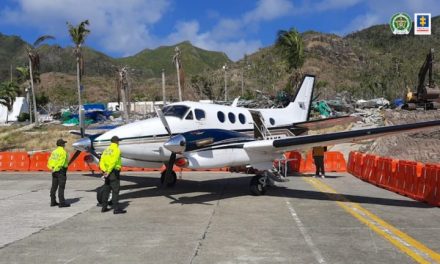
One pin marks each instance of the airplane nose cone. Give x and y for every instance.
(176, 144)
(84, 144)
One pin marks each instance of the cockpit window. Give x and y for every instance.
(189, 116)
(175, 110)
(200, 114)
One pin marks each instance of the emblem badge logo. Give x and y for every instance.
(400, 24)
(422, 24)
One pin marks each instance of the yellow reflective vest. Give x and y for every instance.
(111, 159)
(58, 159)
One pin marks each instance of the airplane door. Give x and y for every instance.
(200, 118)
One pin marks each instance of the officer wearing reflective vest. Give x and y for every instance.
(110, 164)
(58, 163)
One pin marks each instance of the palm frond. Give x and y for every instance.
(79, 33)
(41, 39)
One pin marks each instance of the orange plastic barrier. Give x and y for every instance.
(307, 164)
(14, 161)
(405, 177)
(293, 159)
(384, 171)
(38, 161)
(422, 186)
(80, 164)
(358, 162)
(4, 160)
(368, 167)
(333, 161)
(431, 189)
(350, 163)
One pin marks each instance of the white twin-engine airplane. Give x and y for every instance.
(142, 141)
(197, 135)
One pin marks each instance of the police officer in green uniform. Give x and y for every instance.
(58, 163)
(111, 164)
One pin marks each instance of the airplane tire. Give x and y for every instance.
(256, 187)
(173, 179)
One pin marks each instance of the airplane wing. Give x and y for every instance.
(327, 122)
(308, 141)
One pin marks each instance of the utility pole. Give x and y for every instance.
(225, 67)
(163, 87)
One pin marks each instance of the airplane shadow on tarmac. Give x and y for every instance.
(218, 189)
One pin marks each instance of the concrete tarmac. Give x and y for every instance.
(210, 217)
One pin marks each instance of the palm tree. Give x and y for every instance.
(79, 35)
(179, 69)
(34, 68)
(291, 47)
(122, 87)
(24, 77)
(8, 93)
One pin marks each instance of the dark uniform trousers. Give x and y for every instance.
(112, 183)
(319, 164)
(58, 182)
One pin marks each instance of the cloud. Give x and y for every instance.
(230, 34)
(211, 40)
(121, 27)
(268, 10)
(125, 28)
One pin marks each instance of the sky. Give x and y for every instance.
(236, 27)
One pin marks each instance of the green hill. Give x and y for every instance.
(194, 60)
(369, 63)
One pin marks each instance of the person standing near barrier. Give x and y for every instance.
(110, 164)
(58, 163)
(318, 157)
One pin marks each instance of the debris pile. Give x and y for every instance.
(420, 146)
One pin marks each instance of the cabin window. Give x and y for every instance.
(242, 118)
(200, 114)
(231, 117)
(221, 116)
(175, 110)
(272, 121)
(189, 116)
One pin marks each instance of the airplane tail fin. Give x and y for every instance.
(302, 102)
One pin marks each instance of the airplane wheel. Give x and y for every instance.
(173, 179)
(258, 185)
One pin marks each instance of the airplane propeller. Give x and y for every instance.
(168, 174)
(85, 143)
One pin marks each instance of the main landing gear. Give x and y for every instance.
(170, 181)
(258, 185)
(260, 182)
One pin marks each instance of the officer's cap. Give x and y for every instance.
(115, 139)
(61, 142)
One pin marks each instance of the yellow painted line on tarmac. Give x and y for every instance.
(405, 243)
